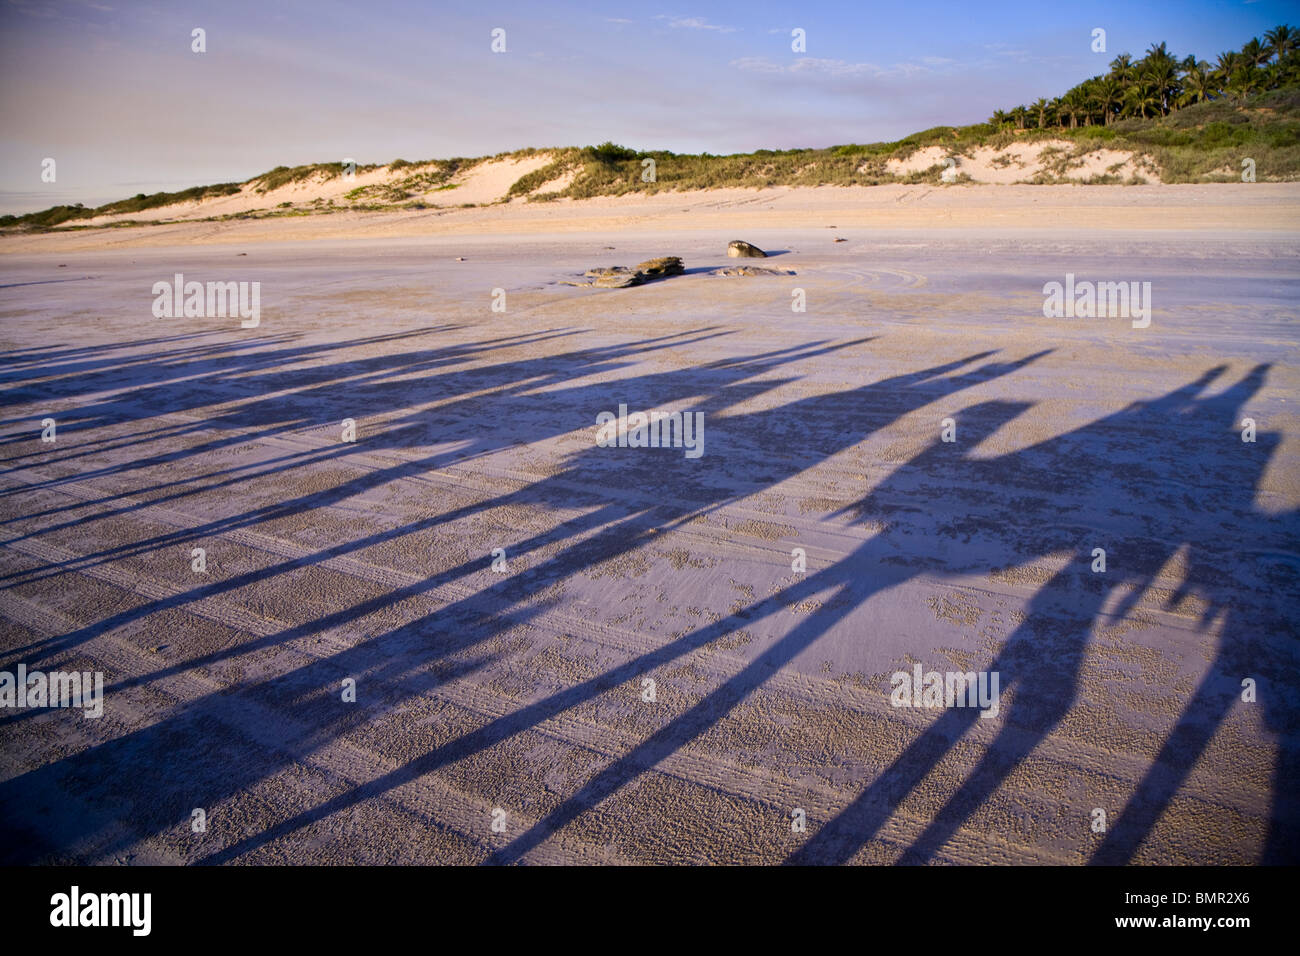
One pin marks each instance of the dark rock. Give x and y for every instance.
(738, 249)
(619, 280)
(663, 266)
(620, 277)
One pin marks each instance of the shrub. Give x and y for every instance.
(610, 153)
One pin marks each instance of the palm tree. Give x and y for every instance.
(1020, 114)
(1090, 92)
(1122, 68)
(1281, 40)
(1157, 53)
(1142, 96)
(1289, 68)
(1108, 94)
(1072, 106)
(1227, 65)
(1273, 75)
(1255, 53)
(1244, 81)
(999, 118)
(1039, 108)
(1161, 74)
(1198, 84)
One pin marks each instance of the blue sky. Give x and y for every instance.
(113, 93)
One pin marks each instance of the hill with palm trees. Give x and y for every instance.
(1160, 83)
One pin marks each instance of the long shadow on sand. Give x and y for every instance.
(727, 380)
(1115, 480)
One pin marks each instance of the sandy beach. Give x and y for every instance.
(1053, 211)
(500, 588)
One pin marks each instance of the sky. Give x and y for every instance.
(115, 94)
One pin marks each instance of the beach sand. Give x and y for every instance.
(523, 690)
(1051, 211)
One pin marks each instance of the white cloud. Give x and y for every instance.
(808, 64)
(695, 23)
(756, 64)
(814, 66)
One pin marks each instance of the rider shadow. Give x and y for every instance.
(393, 658)
(818, 427)
(1116, 475)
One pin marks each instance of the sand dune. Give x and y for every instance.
(490, 180)
(484, 182)
(1028, 162)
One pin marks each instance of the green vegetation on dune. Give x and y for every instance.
(564, 161)
(1207, 142)
(1184, 120)
(1202, 143)
(284, 175)
(57, 215)
(796, 167)
(48, 218)
(140, 202)
(430, 175)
